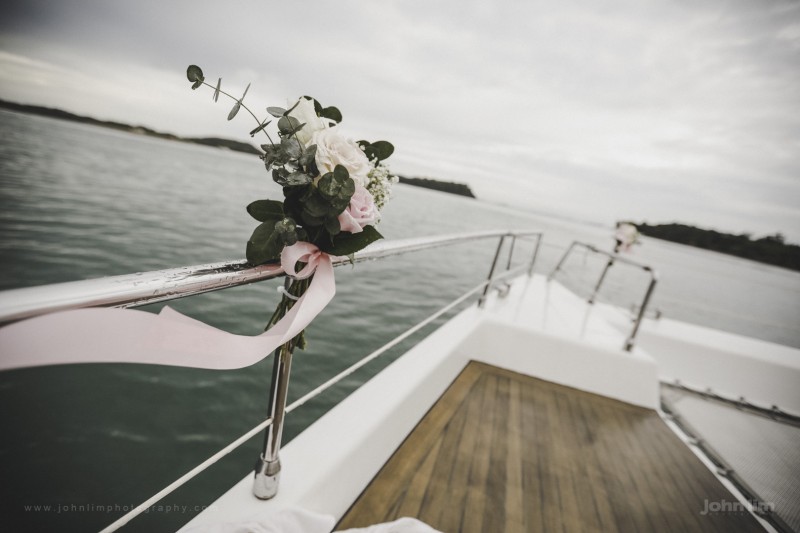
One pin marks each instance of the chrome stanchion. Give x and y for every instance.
(642, 310)
(535, 254)
(482, 300)
(268, 467)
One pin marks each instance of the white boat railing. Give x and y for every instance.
(612, 259)
(135, 290)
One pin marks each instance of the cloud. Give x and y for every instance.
(604, 110)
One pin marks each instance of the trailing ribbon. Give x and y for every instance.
(108, 335)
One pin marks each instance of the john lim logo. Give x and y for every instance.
(725, 506)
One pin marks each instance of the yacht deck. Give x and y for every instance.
(502, 451)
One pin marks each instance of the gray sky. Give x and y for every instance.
(599, 110)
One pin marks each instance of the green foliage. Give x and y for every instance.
(291, 147)
(307, 158)
(263, 210)
(195, 75)
(337, 188)
(265, 243)
(346, 243)
(331, 113)
(260, 127)
(288, 125)
(234, 110)
(286, 230)
(377, 151)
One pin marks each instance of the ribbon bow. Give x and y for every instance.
(109, 335)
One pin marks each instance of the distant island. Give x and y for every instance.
(140, 130)
(772, 249)
(444, 186)
(236, 146)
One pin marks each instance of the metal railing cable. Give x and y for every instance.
(188, 476)
(172, 487)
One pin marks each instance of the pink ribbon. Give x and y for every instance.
(108, 335)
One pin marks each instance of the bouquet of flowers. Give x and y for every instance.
(625, 236)
(333, 187)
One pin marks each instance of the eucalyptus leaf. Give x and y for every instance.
(346, 243)
(276, 112)
(382, 149)
(294, 200)
(310, 220)
(295, 129)
(317, 105)
(309, 156)
(234, 110)
(265, 244)
(195, 73)
(316, 206)
(287, 231)
(337, 187)
(279, 175)
(340, 173)
(263, 210)
(245, 93)
(297, 178)
(271, 153)
(216, 91)
(378, 150)
(287, 124)
(261, 127)
(332, 113)
(291, 147)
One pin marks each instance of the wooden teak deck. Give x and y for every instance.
(505, 452)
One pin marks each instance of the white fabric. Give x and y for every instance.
(291, 520)
(401, 525)
(297, 520)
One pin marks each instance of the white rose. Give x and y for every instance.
(336, 149)
(304, 112)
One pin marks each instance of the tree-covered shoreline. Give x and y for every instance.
(460, 189)
(236, 146)
(771, 249)
(140, 130)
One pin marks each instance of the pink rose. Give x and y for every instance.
(361, 211)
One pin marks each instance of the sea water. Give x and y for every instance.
(82, 444)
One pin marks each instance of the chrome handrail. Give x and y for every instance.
(134, 290)
(612, 259)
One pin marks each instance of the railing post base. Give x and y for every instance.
(268, 466)
(267, 478)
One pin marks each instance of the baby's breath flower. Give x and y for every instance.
(379, 184)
